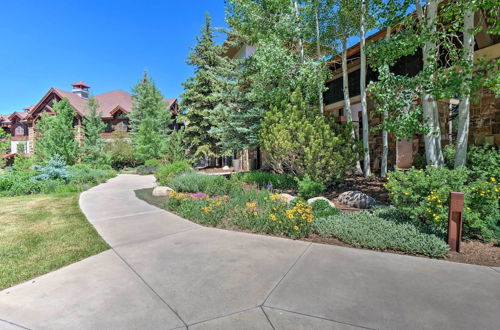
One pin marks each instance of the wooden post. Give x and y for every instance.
(455, 220)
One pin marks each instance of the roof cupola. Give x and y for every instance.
(81, 89)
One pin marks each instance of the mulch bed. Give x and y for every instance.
(478, 253)
(373, 187)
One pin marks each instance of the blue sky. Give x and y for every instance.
(107, 44)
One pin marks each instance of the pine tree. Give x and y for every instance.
(149, 120)
(202, 92)
(236, 119)
(93, 143)
(57, 135)
(299, 140)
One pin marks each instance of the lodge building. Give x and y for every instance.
(114, 108)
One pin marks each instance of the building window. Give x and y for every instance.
(121, 126)
(19, 130)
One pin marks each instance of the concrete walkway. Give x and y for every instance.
(164, 272)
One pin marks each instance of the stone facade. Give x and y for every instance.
(485, 119)
(31, 140)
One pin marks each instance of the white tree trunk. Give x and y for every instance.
(464, 105)
(318, 53)
(301, 46)
(345, 86)
(347, 101)
(362, 81)
(432, 139)
(385, 137)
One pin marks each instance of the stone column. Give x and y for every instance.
(31, 139)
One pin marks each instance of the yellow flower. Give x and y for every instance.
(295, 228)
(251, 204)
(254, 213)
(273, 217)
(290, 216)
(493, 179)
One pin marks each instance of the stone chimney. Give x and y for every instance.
(81, 89)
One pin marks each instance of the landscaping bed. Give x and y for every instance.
(414, 223)
(472, 251)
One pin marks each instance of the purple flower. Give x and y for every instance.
(199, 195)
(269, 186)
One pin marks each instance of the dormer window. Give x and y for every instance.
(121, 126)
(19, 130)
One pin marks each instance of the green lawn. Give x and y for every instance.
(41, 233)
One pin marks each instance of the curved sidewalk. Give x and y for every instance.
(164, 272)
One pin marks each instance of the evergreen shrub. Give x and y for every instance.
(299, 140)
(308, 188)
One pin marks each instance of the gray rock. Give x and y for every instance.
(161, 191)
(288, 198)
(312, 200)
(357, 199)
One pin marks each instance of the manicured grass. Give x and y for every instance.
(42, 233)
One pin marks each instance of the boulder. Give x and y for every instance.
(288, 198)
(357, 199)
(225, 168)
(161, 191)
(312, 200)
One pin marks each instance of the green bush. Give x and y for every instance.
(212, 185)
(120, 150)
(422, 196)
(308, 188)
(365, 230)
(21, 183)
(483, 162)
(167, 172)
(269, 180)
(84, 175)
(322, 209)
(151, 163)
(449, 153)
(23, 163)
(79, 177)
(299, 140)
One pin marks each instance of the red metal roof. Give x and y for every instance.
(108, 102)
(80, 84)
(21, 115)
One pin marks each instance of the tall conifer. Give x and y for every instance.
(149, 120)
(93, 143)
(202, 91)
(57, 135)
